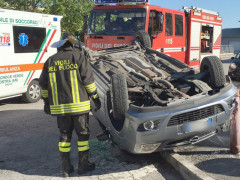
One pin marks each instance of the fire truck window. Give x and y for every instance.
(206, 39)
(155, 25)
(168, 22)
(28, 39)
(118, 22)
(178, 25)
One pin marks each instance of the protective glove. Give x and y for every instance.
(46, 106)
(97, 103)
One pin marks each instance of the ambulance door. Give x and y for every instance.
(53, 35)
(216, 47)
(7, 62)
(194, 47)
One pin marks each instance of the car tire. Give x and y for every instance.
(33, 93)
(215, 74)
(143, 38)
(119, 96)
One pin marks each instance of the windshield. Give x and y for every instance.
(116, 21)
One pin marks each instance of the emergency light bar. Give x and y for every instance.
(99, 2)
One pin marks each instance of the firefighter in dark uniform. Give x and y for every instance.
(67, 84)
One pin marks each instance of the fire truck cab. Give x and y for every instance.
(187, 35)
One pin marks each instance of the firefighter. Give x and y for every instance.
(67, 84)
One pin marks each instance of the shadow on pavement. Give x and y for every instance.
(222, 166)
(227, 61)
(210, 152)
(29, 146)
(15, 100)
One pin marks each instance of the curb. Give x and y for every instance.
(184, 167)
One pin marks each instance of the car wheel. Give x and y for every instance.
(119, 96)
(215, 74)
(143, 38)
(33, 93)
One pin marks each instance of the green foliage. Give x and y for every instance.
(73, 11)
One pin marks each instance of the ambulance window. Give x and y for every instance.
(168, 22)
(28, 39)
(178, 25)
(155, 25)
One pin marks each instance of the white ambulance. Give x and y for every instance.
(25, 44)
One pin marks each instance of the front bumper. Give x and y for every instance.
(165, 135)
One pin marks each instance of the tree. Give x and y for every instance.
(25, 5)
(74, 12)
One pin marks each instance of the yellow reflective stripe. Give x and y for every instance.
(53, 83)
(84, 148)
(64, 149)
(91, 87)
(74, 84)
(44, 93)
(72, 105)
(77, 90)
(82, 143)
(64, 144)
(87, 86)
(64, 111)
(70, 108)
(95, 96)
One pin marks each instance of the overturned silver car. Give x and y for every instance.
(152, 102)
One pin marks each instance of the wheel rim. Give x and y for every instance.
(34, 91)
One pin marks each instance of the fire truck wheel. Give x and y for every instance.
(33, 93)
(119, 97)
(143, 38)
(215, 74)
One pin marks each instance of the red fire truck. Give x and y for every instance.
(188, 35)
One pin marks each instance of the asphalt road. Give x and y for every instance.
(29, 149)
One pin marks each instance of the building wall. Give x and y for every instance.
(235, 42)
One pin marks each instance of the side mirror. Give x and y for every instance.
(153, 36)
(232, 58)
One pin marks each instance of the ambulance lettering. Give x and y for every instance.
(10, 79)
(7, 69)
(5, 39)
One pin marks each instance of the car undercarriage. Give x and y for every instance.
(158, 92)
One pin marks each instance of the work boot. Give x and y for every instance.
(83, 163)
(67, 167)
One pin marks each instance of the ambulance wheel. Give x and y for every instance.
(215, 74)
(119, 97)
(143, 38)
(33, 93)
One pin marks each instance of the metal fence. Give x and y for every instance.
(227, 49)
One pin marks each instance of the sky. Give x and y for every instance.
(229, 10)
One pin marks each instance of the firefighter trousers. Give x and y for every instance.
(67, 124)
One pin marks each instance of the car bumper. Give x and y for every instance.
(170, 123)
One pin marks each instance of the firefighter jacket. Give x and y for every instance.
(67, 81)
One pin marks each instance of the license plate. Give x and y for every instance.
(197, 125)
